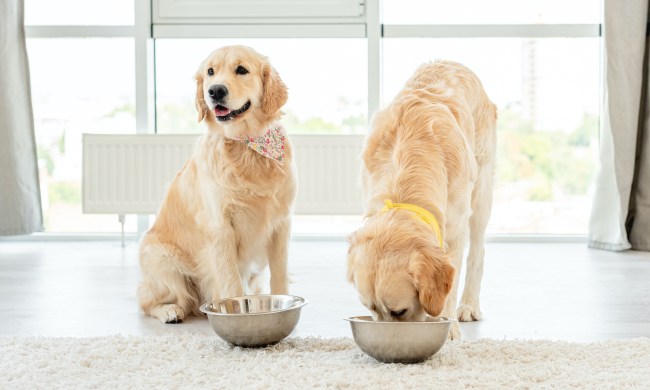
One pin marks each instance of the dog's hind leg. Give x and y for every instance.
(165, 292)
(469, 308)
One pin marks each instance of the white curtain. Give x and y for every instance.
(620, 216)
(20, 199)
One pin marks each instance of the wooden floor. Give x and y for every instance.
(530, 291)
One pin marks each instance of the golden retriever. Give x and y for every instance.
(227, 214)
(427, 173)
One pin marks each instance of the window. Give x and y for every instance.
(547, 93)
(80, 84)
(539, 61)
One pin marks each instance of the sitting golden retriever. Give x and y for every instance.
(427, 181)
(227, 214)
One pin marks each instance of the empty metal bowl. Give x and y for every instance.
(254, 320)
(400, 342)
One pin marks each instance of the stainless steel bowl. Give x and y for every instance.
(400, 342)
(254, 320)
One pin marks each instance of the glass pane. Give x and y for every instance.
(78, 86)
(491, 12)
(326, 94)
(79, 12)
(547, 91)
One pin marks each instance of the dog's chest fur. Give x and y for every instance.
(243, 189)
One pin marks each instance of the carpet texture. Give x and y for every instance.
(192, 361)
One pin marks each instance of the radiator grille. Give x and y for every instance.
(129, 174)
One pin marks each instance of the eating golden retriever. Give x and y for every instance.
(227, 214)
(427, 173)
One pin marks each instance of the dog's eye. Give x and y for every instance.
(241, 70)
(397, 313)
(210, 72)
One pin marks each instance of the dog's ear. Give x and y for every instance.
(433, 277)
(357, 246)
(199, 100)
(274, 94)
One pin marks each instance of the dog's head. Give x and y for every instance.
(398, 270)
(238, 91)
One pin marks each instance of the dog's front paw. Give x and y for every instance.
(454, 331)
(170, 314)
(468, 313)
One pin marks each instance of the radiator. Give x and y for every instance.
(129, 174)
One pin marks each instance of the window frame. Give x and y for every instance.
(148, 27)
(144, 31)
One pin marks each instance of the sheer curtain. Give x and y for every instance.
(620, 217)
(20, 199)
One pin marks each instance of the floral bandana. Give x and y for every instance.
(270, 144)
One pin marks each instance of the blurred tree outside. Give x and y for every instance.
(553, 164)
(178, 118)
(64, 192)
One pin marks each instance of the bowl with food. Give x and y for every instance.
(400, 341)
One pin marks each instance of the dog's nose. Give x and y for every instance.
(218, 92)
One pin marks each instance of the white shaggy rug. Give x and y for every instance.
(301, 363)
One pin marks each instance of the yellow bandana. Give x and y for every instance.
(418, 213)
